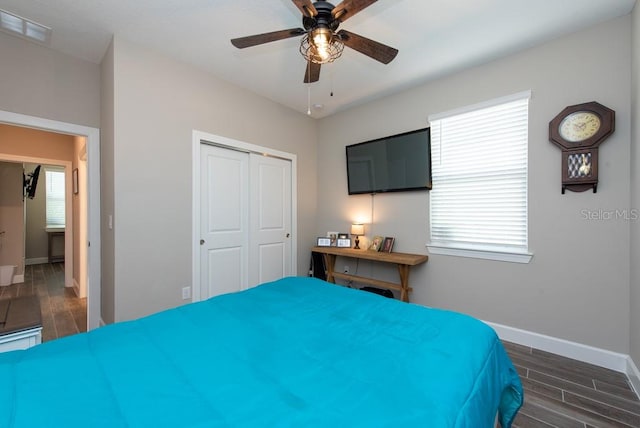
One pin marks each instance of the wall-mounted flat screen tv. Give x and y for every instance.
(392, 164)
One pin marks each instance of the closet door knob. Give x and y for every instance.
(202, 242)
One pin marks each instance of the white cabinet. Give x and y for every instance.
(21, 340)
(20, 323)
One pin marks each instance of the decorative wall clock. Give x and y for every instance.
(578, 130)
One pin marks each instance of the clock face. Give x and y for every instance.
(579, 126)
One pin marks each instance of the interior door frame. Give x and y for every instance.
(93, 198)
(198, 139)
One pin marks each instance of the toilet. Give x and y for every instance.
(6, 275)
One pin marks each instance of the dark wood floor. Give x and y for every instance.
(565, 393)
(63, 313)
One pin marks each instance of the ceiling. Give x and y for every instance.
(434, 37)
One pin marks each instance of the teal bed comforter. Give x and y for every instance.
(298, 352)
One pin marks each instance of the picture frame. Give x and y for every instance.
(387, 245)
(323, 241)
(343, 235)
(75, 181)
(376, 243)
(343, 242)
(334, 238)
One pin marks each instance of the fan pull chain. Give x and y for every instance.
(331, 79)
(309, 88)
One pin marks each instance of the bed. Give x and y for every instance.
(297, 352)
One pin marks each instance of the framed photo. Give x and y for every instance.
(323, 242)
(75, 181)
(387, 245)
(334, 238)
(344, 242)
(376, 243)
(343, 235)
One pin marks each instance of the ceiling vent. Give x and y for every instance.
(22, 27)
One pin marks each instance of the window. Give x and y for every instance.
(479, 197)
(54, 190)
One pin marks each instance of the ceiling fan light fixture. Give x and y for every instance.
(322, 43)
(321, 46)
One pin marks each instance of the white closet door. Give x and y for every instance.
(270, 219)
(224, 219)
(245, 220)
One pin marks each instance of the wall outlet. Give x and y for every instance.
(346, 269)
(186, 293)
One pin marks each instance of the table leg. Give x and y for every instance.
(403, 270)
(49, 246)
(330, 262)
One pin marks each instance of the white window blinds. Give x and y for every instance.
(479, 196)
(54, 191)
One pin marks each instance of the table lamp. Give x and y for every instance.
(356, 230)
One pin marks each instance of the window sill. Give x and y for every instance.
(502, 256)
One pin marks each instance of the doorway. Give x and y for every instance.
(30, 222)
(92, 184)
(244, 215)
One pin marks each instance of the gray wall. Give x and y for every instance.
(146, 158)
(157, 103)
(577, 285)
(107, 285)
(36, 239)
(635, 188)
(41, 82)
(11, 217)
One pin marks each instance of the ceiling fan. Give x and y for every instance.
(321, 42)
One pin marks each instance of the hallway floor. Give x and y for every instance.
(63, 313)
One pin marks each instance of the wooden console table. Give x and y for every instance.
(403, 260)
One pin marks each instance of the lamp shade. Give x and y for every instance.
(357, 229)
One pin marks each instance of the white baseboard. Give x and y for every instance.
(578, 351)
(17, 279)
(36, 261)
(634, 377)
(78, 290)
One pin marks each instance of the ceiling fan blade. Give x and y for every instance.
(306, 8)
(258, 39)
(383, 53)
(348, 8)
(312, 72)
